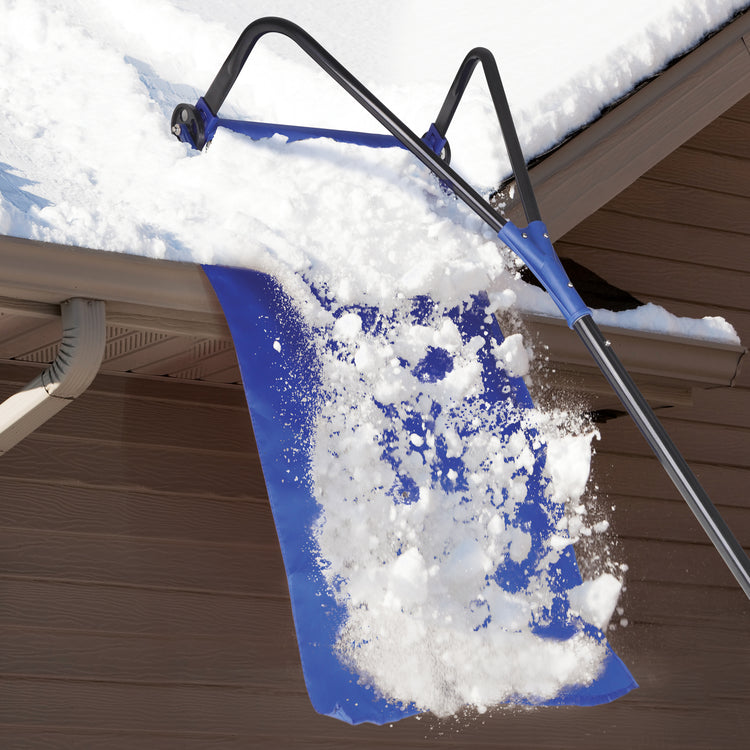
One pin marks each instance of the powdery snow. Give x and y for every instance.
(86, 158)
(422, 481)
(595, 600)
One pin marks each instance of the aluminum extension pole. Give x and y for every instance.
(665, 450)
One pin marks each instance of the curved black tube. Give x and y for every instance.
(504, 117)
(232, 66)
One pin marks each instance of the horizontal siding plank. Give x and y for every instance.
(259, 571)
(96, 608)
(683, 657)
(243, 569)
(270, 659)
(643, 236)
(626, 475)
(646, 277)
(99, 416)
(163, 708)
(740, 111)
(712, 609)
(290, 721)
(268, 662)
(646, 518)
(166, 469)
(90, 607)
(20, 738)
(30, 504)
(708, 443)
(718, 406)
(674, 562)
(680, 204)
(49, 738)
(725, 135)
(700, 169)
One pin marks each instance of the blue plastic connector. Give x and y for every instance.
(434, 140)
(210, 120)
(533, 246)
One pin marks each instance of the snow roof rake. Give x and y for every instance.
(260, 316)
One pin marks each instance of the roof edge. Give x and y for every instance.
(145, 293)
(591, 168)
(667, 368)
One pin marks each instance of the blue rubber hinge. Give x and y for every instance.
(533, 246)
(434, 140)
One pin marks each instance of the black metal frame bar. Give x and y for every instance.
(665, 451)
(504, 117)
(232, 66)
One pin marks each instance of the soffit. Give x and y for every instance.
(163, 319)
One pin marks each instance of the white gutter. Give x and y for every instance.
(77, 363)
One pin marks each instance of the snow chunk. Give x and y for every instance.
(595, 600)
(512, 356)
(348, 326)
(569, 464)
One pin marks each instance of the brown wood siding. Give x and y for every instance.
(143, 601)
(680, 237)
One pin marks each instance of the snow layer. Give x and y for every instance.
(86, 158)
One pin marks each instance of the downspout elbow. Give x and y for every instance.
(76, 365)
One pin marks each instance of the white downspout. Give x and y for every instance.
(77, 363)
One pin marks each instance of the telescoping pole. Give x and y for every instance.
(665, 450)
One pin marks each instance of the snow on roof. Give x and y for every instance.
(88, 90)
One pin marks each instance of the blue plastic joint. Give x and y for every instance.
(194, 125)
(210, 120)
(434, 140)
(533, 246)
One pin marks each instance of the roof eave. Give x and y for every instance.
(601, 161)
(142, 293)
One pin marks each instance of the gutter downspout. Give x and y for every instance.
(77, 363)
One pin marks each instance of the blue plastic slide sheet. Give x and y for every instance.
(282, 385)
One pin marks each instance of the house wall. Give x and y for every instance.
(680, 237)
(143, 601)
